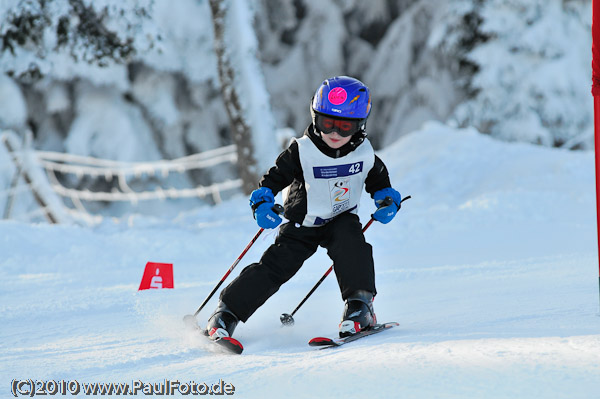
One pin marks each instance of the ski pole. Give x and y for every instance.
(287, 319)
(190, 319)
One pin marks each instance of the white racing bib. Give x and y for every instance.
(333, 185)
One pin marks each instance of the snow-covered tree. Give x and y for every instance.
(412, 54)
(243, 89)
(72, 38)
(534, 73)
(418, 73)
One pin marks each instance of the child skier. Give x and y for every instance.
(325, 170)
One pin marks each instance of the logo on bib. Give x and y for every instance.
(340, 195)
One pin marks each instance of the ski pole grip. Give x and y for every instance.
(386, 201)
(278, 209)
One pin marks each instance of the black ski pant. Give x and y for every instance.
(345, 243)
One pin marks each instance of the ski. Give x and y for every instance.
(325, 342)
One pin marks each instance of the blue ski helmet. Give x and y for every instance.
(343, 97)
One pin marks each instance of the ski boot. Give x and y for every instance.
(358, 313)
(222, 322)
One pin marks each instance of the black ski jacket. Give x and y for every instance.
(288, 172)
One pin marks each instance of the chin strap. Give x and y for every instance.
(358, 138)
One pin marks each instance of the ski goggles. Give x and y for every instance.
(344, 127)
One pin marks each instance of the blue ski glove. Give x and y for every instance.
(385, 213)
(266, 217)
(262, 201)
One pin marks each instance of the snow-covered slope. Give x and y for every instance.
(491, 269)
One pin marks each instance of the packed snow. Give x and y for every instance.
(491, 269)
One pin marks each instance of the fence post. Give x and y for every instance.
(36, 195)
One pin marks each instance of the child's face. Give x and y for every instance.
(334, 140)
